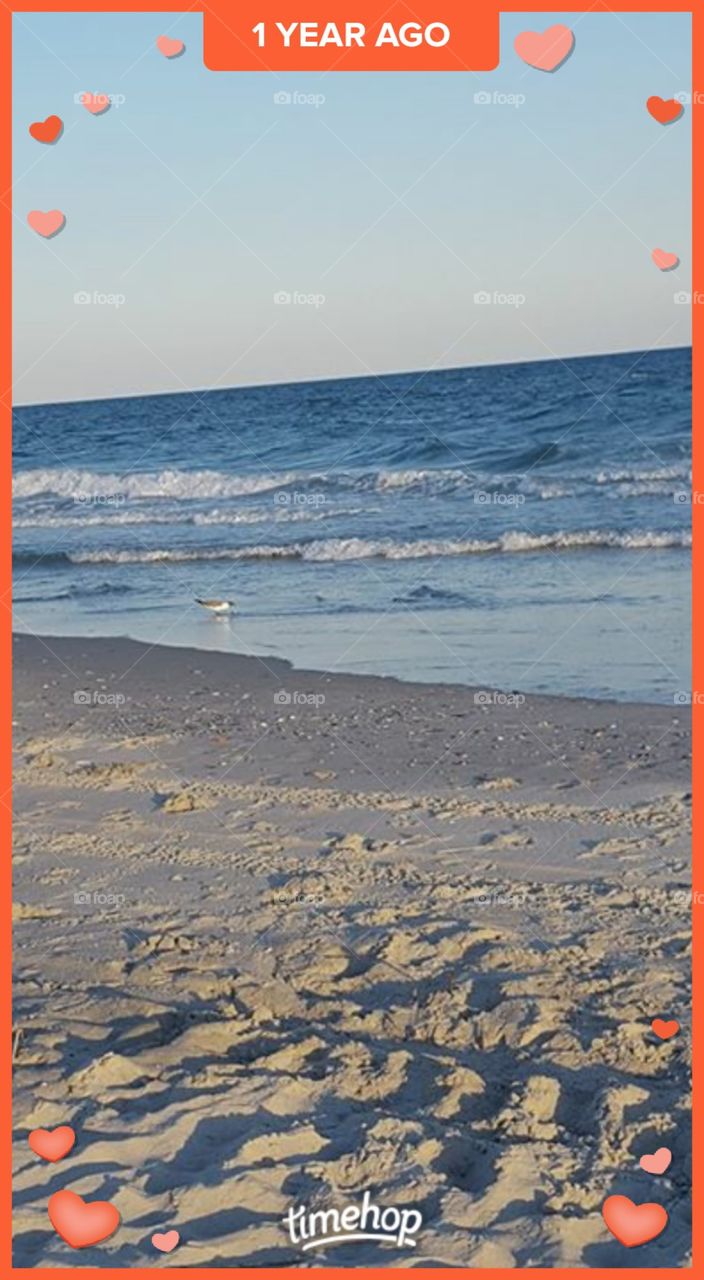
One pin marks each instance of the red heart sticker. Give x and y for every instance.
(80, 1222)
(52, 1144)
(47, 130)
(633, 1224)
(664, 110)
(665, 1030)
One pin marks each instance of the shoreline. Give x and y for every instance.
(289, 667)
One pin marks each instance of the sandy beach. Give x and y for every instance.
(282, 938)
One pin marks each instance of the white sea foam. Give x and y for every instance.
(169, 483)
(343, 549)
(106, 518)
(185, 486)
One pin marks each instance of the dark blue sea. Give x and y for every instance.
(515, 527)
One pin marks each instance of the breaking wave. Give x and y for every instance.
(344, 549)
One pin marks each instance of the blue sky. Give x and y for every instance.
(198, 198)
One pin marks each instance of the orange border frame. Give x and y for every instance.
(444, 9)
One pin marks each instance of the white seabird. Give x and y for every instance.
(216, 606)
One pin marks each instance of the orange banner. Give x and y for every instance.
(431, 35)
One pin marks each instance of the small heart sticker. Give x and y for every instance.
(665, 262)
(657, 1162)
(545, 50)
(633, 1224)
(170, 48)
(48, 130)
(165, 1241)
(664, 110)
(96, 103)
(80, 1222)
(46, 224)
(665, 1030)
(52, 1144)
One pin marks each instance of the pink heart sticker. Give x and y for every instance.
(165, 1241)
(665, 261)
(170, 48)
(96, 103)
(46, 224)
(545, 50)
(658, 1162)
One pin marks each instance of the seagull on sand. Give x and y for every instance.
(216, 606)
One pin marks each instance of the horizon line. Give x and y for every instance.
(347, 377)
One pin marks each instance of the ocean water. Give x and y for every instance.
(515, 527)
